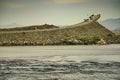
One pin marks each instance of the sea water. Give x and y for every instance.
(71, 62)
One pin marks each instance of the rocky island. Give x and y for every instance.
(87, 32)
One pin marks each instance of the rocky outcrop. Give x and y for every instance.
(56, 35)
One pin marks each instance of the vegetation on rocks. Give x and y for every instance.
(33, 27)
(84, 40)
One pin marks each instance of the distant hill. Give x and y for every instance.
(33, 27)
(111, 24)
(13, 25)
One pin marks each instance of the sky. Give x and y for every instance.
(57, 12)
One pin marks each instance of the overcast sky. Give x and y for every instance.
(58, 12)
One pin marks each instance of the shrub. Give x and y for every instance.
(83, 40)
